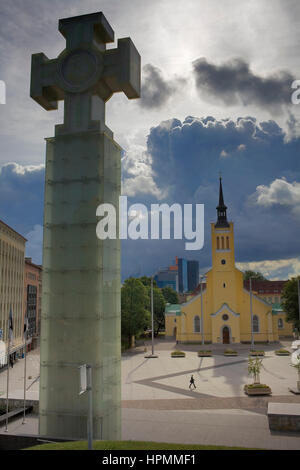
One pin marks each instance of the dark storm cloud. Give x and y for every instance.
(187, 158)
(233, 82)
(156, 91)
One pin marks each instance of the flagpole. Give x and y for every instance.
(8, 360)
(25, 337)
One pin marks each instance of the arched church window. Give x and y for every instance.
(227, 243)
(280, 323)
(223, 246)
(197, 324)
(218, 243)
(255, 324)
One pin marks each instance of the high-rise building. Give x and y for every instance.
(193, 275)
(165, 277)
(182, 275)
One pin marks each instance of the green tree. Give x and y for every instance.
(254, 368)
(159, 305)
(255, 275)
(170, 295)
(147, 281)
(290, 302)
(135, 315)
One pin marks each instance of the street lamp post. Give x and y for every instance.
(202, 319)
(299, 306)
(251, 313)
(85, 376)
(152, 316)
(90, 407)
(152, 322)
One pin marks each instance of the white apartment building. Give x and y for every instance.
(12, 255)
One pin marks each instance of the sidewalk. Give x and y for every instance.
(158, 406)
(232, 428)
(16, 378)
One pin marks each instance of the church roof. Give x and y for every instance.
(224, 306)
(173, 309)
(266, 287)
(257, 298)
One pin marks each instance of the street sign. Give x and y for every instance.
(85, 375)
(83, 379)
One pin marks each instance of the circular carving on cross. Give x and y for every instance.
(79, 69)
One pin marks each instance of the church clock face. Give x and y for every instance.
(223, 261)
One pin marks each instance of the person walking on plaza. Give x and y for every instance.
(192, 382)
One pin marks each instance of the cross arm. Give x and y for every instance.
(43, 87)
(122, 69)
(86, 29)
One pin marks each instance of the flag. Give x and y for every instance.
(10, 326)
(25, 326)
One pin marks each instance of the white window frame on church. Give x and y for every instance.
(280, 324)
(197, 327)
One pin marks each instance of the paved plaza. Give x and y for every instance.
(157, 404)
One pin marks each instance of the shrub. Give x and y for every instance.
(256, 386)
(204, 353)
(283, 352)
(257, 353)
(178, 353)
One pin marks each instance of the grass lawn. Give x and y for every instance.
(129, 445)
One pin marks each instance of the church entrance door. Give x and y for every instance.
(226, 336)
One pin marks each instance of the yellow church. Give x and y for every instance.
(221, 313)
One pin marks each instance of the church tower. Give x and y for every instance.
(223, 259)
(222, 238)
(221, 311)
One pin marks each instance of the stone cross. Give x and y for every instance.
(81, 301)
(85, 75)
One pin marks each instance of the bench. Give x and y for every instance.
(284, 416)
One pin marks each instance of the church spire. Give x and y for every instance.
(221, 209)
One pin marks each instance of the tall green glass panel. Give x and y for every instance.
(80, 322)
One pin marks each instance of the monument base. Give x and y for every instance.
(296, 391)
(81, 319)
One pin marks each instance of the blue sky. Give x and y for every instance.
(216, 78)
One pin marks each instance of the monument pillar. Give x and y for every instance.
(81, 321)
